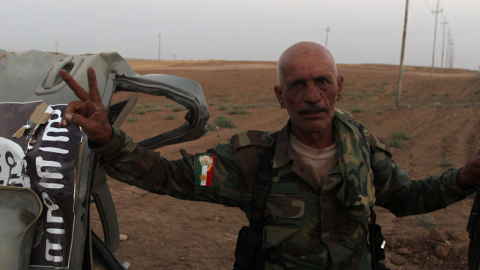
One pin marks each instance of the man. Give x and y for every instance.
(326, 170)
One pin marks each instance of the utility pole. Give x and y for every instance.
(400, 74)
(434, 40)
(326, 41)
(159, 41)
(447, 57)
(56, 47)
(443, 43)
(451, 54)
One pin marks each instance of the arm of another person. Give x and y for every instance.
(404, 196)
(122, 159)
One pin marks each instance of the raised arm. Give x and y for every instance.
(89, 112)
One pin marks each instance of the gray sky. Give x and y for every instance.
(361, 31)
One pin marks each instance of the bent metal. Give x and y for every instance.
(49, 167)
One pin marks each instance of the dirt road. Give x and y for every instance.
(442, 123)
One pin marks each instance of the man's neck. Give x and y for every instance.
(318, 140)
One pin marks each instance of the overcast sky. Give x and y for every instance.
(360, 31)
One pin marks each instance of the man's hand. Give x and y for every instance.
(469, 176)
(88, 113)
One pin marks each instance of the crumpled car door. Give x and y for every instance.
(30, 79)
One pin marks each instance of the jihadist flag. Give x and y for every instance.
(204, 170)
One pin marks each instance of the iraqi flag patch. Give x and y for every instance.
(204, 170)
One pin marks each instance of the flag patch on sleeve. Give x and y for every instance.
(204, 170)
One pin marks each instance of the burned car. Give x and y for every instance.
(48, 175)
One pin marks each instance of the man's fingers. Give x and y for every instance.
(73, 107)
(78, 120)
(73, 84)
(93, 86)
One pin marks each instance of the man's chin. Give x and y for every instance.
(313, 128)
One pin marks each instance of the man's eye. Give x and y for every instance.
(322, 81)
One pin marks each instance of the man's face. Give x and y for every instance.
(309, 89)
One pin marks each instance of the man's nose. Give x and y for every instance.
(312, 94)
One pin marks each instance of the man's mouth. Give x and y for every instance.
(312, 110)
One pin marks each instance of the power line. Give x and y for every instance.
(434, 40)
(326, 40)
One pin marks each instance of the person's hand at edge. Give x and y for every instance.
(88, 113)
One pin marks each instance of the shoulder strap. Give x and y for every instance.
(262, 187)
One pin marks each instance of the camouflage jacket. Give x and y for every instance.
(306, 229)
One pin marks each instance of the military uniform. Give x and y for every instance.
(305, 228)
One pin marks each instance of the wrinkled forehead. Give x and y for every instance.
(291, 63)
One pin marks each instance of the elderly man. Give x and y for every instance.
(322, 172)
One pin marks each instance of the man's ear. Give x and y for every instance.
(340, 87)
(279, 94)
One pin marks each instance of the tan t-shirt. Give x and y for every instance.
(319, 161)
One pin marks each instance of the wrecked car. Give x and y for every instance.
(48, 175)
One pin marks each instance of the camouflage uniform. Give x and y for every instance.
(306, 229)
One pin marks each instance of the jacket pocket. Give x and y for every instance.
(285, 218)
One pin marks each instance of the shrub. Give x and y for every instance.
(211, 126)
(131, 119)
(401, 135)
(238, 112)
(394, 142)
(427, 221)
(357, 110)
(397, 138)
(255, 105)
(178, 109)
(224, 122)
(445, 162)
(139, 111)
(169, 117)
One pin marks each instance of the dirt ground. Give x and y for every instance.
(442, 122)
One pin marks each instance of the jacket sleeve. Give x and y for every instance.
(123, 160)
(404, 196)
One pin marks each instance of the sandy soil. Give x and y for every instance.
(165, 233)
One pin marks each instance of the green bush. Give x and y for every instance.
(146, 108)
(427, 221)
(397, 138)
(211, 126)
(357, 110)
(394, 142)
(169, 117)
(139, 111)
(445, 162)
(260, 105)
(224, 122)
(238, 112)
(131, 119)
(178, 109)
(400, 134)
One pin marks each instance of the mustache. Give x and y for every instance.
(312, 108)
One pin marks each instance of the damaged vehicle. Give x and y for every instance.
(48, 175)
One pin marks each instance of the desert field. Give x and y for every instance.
(433, 130)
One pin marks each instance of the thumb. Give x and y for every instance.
(79, 120)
